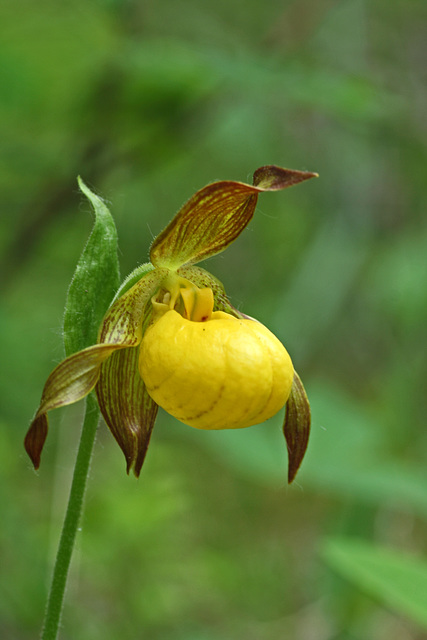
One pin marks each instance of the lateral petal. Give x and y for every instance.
(127, 408)
(35, 438)
(296, 427)
(69, 382)
(78, 374)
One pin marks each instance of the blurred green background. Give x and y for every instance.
(148, 102)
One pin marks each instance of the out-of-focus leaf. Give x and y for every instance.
(335, 255)
(347, 455)
(398, 580)
(95, 280)
(399, 280)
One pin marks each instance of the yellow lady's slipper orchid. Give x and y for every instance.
(212, 370)
(172, 339)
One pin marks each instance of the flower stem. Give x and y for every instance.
(71, 521)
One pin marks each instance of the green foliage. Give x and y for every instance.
(95, 280)
(399, 580)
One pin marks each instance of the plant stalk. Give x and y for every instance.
(71, 522)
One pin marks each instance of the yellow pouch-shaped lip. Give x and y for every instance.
(224, 373)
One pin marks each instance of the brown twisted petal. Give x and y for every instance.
(272, 178)
(127, 408)
(296, 427)
(69, 382)
(215, 216)
(78, 374)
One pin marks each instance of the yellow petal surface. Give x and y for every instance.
(224, 373)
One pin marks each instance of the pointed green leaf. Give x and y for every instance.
(397, 579)
(215, 216)
(296, 426)
(95, 280)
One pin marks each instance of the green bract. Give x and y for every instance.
(204, 226)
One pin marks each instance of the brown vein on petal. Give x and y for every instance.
(69, 382)
(78, 374)
(296, 427)
(216, 215)
(206, 224)
(122, 322)
(202, 413)
(123, 402)
(150, 409)
(74, 377)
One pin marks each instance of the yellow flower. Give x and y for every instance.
(212, 370)
(171, 338)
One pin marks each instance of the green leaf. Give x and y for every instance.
(349, 455)
(215, 216)
(95, 280)
(399, 580)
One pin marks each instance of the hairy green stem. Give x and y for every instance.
(71, 521)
